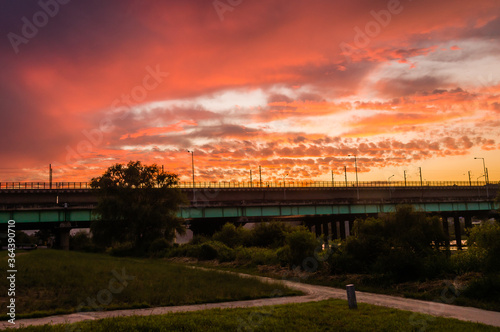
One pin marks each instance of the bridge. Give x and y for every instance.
(327, 207)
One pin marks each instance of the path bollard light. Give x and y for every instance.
(351, 297)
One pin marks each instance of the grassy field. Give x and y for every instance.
(53, 282)
(332, 315)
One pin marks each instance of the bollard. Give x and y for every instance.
(351, 297)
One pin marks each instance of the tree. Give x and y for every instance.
(137, 204)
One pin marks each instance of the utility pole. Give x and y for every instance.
(192, 169)
(356, 171)
(404, 172)
(345, 173)
(50, 176)
(470, 182)
(420, 171)
(484, 168)
(333, 182)
(251, 184)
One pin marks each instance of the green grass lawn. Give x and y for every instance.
(54, 282)
(331, 315)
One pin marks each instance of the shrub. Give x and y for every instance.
(80, 241)
(270, 235)
(301, 243)
(484, 240)
(231, 235)
(467, 261)
(485, 289)
(124, 249)
(256, 256)
(207, 251)
(159, 247)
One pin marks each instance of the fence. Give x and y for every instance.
(258, 184)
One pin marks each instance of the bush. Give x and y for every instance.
(467, 261)
(301, 244)
(484, 241)
(271, 235)
(256, 256)
(80, 241)
(399, 265)
(124, 249)
(159, 247)
(205, 251)
(232, 236)
(484, 289)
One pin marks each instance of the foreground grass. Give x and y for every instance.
(54, 282)
(331, 315)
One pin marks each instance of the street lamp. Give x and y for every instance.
(356, 170)
(192, 168)
(484, 168)
(389, 179)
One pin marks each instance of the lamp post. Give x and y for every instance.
(192, 168)
(389, 179)
(345, 174)
(356, 170)
(484, 168)
(404, 172)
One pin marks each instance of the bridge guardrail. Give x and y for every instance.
(258, 184)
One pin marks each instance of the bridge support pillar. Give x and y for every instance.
(326, 233)
(347, 228)
(446, 232)
(333, 226)
(317, 229)
(342, 230)
(64, 229)
(458, 232)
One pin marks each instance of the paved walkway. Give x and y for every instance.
(313, 293)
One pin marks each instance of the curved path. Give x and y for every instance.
(313, 293)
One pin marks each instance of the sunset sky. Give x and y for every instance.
(293, 86)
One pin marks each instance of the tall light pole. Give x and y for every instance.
(356, 170)
(333, 182)
(345, 174)
(404, 172)
(389, 179)
(484, 168)
(192, 168)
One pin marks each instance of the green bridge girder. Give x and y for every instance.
(334, 209)
(207, 212)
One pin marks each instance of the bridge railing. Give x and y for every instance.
(44, 185)
(258, 184)
(329, 184)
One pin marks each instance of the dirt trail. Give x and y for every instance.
(313, 293)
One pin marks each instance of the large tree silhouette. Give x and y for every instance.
(137, 204)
